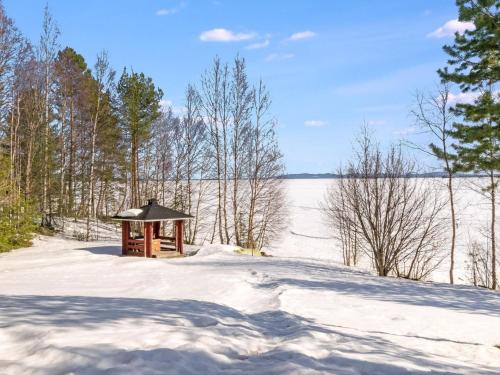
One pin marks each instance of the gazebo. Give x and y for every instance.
(152, 244)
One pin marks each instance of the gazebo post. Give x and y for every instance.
(179, 236)
(125, 236)
(148, 239)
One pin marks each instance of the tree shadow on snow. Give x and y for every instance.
(339, 352)
(103, 250)
(357, 283)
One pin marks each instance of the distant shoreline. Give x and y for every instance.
(321, 176)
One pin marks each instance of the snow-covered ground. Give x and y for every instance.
(69, 307)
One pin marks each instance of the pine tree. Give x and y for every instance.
(16, 214)
(139, 107)
(71, 74)
(475, 67)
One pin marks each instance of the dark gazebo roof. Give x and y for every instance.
(151, 212)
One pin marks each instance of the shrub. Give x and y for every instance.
(16, 225)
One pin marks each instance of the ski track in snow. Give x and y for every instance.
(71, 307)
(309, 236)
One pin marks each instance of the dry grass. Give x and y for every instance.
(252, 252)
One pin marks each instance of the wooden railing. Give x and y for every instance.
(167, 243)
(135, 247)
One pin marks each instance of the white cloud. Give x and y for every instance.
(224, 35)
(166, 11)
(315, 123)
(467, 97)
(259, 45)
(166, 104)
(450, 28)
(279, 56)
(462, 97)
(302, 35)
(406, 131)
(376, 122)
(169, 11)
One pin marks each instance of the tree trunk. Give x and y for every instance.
(133, 173)
(453, 226)
(71, 167)
(29, 161)
(63, 165)
(46, 149)
(493, 242)
(224, 204)
(219, 188)
(91, 198)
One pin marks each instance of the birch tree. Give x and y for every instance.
(212, 83)
(241, 111)
(102, 85)
(194, 136)
(47, 54)
(266, 203)
(433, 114)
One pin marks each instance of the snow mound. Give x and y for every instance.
(133, 212)
(216, 249)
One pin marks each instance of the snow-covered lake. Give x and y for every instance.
(307, 234)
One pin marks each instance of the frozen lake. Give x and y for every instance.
(307, 234)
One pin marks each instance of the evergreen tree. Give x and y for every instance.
(474, 63)
(71, 73)
(16, 215)
(139, 108)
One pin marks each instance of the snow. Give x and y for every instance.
(132, 212)
(216, 249)
(72, 307)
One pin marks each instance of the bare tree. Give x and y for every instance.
(433, 114)
(211, 91)
(162, 147)
(487, 188)
(19, 87)
(479, 258)
(241, 110)
(30, 107)
(339, 216)
(266, 201)
(47, 55)
(11, 43)
(104, 80)
(395, 217)
(13, 53)
(194, 137)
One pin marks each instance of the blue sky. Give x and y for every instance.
(330, 65)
